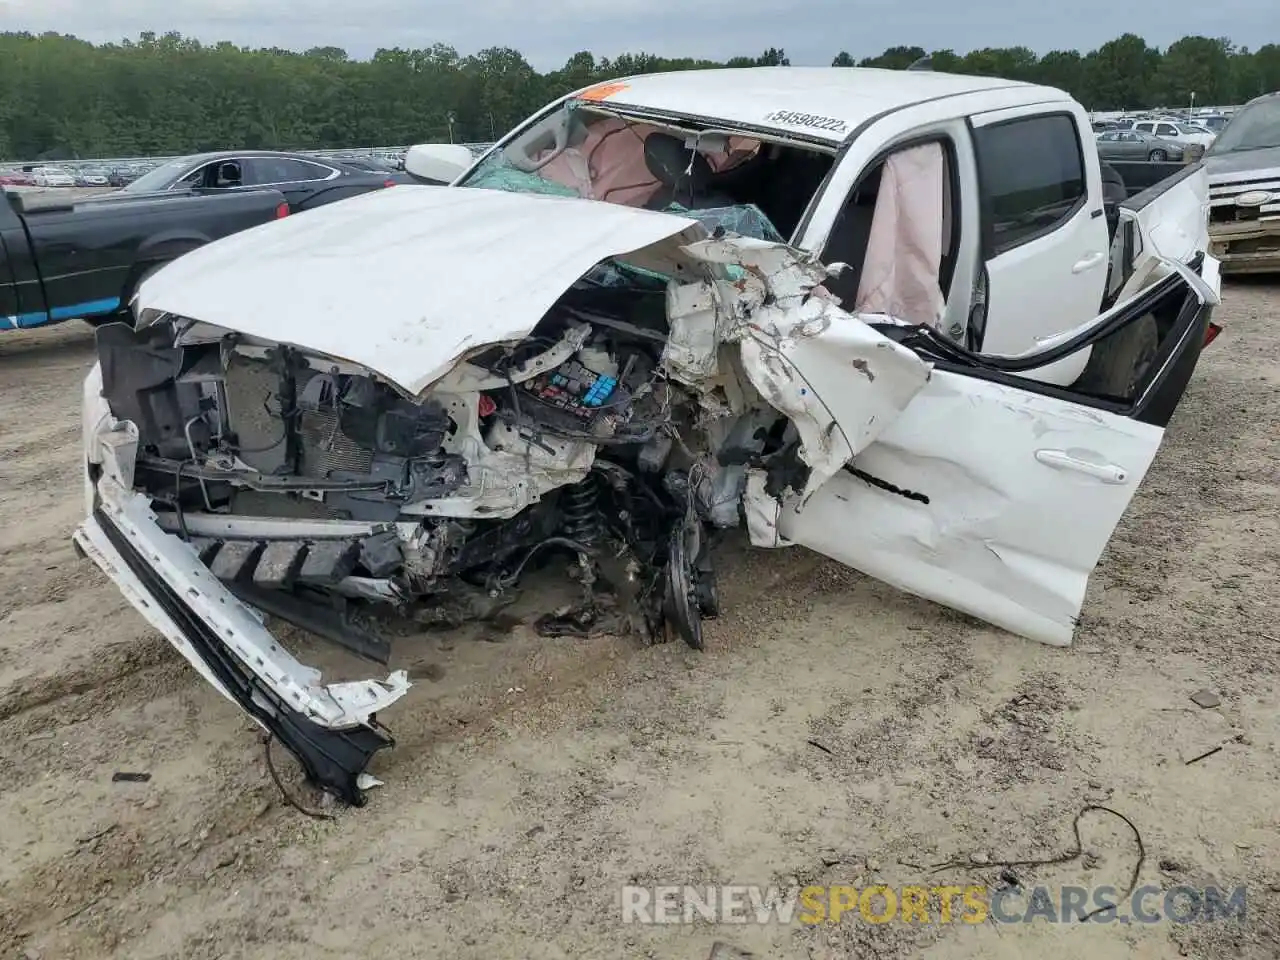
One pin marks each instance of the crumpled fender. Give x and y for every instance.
(839, 381)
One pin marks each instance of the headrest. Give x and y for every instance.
(667, 158)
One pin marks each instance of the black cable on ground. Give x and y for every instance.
(1069, 856)
(289, 797)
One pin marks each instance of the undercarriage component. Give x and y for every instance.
(582, 520)
(690, 583)
(305, 582)
(330, 617)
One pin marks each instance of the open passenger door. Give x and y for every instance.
(995, 494)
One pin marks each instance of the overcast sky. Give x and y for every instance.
(547, 32)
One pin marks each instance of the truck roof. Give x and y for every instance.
(825, 103)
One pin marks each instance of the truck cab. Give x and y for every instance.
(975, 205)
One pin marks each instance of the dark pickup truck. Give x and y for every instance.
(66, 259)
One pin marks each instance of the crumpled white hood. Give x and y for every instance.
(405, 280)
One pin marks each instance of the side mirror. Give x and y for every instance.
(438, 162)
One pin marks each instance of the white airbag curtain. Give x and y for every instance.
(904, 252)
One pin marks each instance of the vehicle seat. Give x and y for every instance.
(1114, 193)
(227, 174)
(848, 240)
(685, 175)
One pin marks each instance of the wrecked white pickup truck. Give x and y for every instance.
(400, 404)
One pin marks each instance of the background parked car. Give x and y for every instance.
(1176, 130)
(91, 178)
(1137, 145)
(372, 165)
(305, 181)
(1214, 123)
(53, 177)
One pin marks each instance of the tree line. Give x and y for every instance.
(62, 97)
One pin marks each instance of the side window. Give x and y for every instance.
(267, 170)
(905, 200)
(196, 178)
(1167, 130)
(225, 173)
(1032, 175)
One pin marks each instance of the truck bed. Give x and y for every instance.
(1139, 175)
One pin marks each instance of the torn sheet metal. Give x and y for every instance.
(762, 511)
(839, 382)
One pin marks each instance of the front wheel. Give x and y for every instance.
(1158, 156)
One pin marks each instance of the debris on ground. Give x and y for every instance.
(1206, 699)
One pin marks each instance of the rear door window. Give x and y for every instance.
(1032, 175)
(261, 171)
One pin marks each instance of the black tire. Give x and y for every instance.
(1118, 363)
(1157, 156)
(1160, 408)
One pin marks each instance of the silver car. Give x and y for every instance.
(1137, 145)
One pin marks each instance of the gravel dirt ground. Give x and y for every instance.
(533, 778)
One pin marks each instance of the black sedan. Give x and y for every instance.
(305, 181)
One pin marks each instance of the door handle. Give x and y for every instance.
(1060, 459)
(1088, 262)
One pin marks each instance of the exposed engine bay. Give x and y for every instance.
(572, 444)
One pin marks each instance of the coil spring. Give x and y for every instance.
(582, 520)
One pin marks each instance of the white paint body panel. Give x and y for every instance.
(1024, 493)
(1060, 275)
(404, 281)
(766, 98)
(1174, 226)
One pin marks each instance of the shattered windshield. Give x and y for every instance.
(1256, 127)
(579, 152)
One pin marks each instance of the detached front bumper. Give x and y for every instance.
(1251, 246)
(331, 728)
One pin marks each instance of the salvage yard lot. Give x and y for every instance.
(533, 778)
